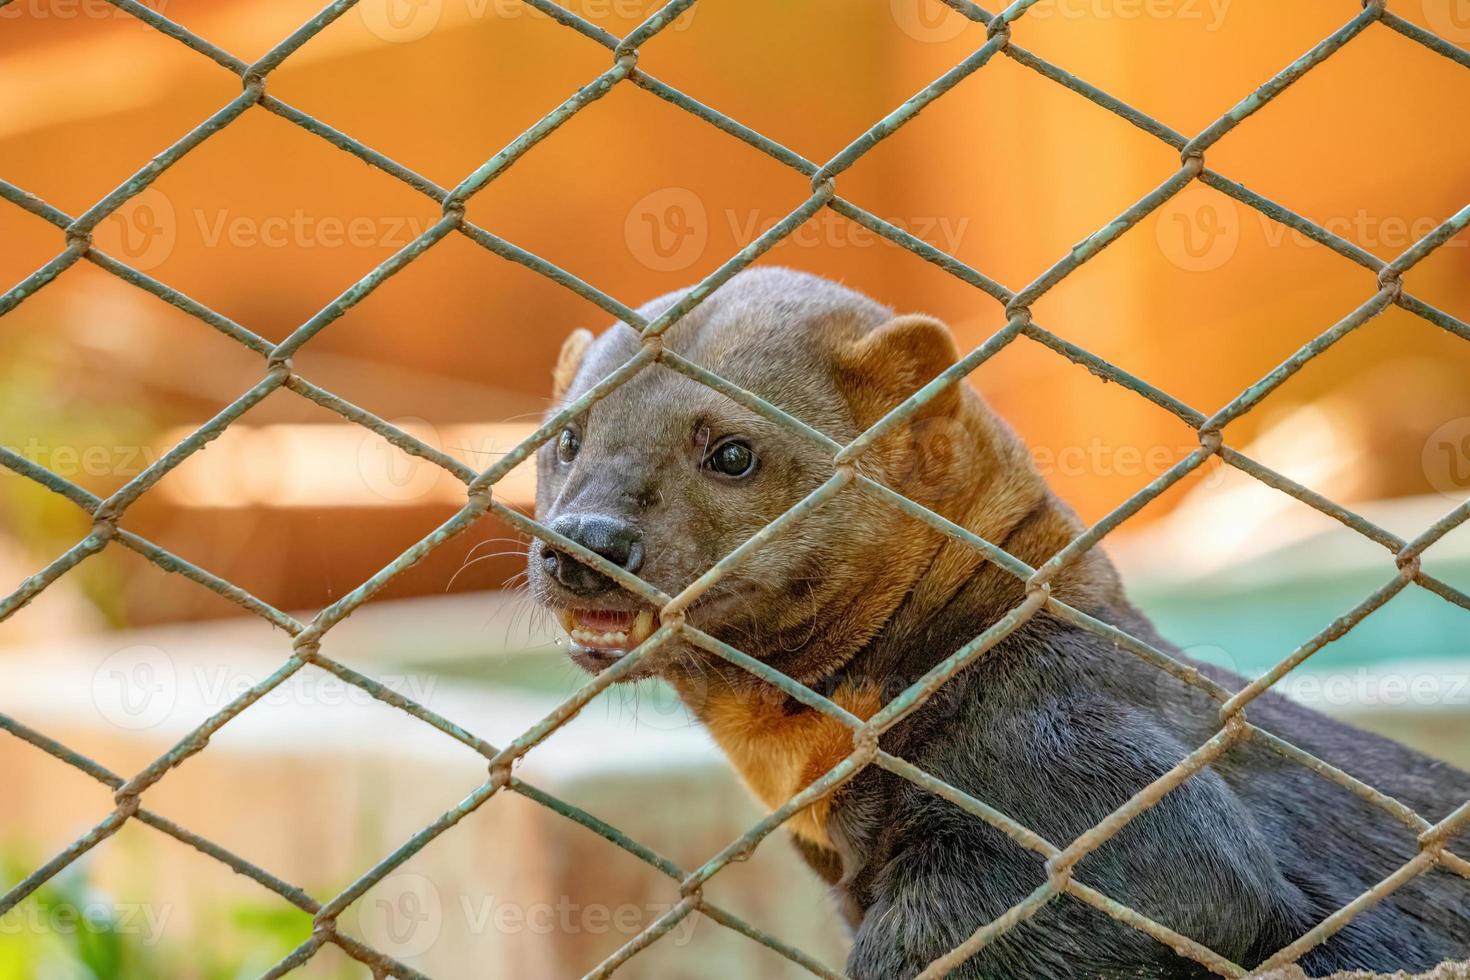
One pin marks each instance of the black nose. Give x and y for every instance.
(617, 541)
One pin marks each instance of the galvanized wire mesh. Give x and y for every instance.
(1234, 728)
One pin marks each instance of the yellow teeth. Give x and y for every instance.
(642, 626)
(639, 630)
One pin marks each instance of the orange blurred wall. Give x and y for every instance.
(266, 223)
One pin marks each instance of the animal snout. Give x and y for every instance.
(616, 540)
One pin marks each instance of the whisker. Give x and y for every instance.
(476, 561)
(480, 544)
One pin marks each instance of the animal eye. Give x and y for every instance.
(731, 458)
(567, 445)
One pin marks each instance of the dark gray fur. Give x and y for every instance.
(1057, 728)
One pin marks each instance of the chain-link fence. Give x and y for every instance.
(1384, 290)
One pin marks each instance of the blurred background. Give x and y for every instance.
(265, 224)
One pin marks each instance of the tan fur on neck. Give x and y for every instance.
(780, 753)
(778, 748)
(884, 570)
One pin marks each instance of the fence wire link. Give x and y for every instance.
(1387, 289)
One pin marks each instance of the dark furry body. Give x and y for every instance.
(1057, 728)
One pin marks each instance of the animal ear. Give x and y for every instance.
(896, 360)
(569, 360)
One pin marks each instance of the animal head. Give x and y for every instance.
(665, 476)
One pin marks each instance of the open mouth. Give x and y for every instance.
(614, 631)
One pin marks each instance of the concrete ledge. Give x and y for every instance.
(1445, 971)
